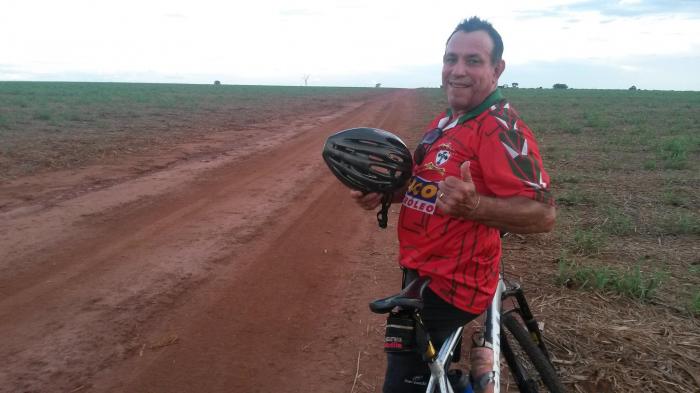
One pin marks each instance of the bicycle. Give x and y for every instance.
(521, 343)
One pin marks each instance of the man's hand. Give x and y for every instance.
(458, 197)
(518, 214)
(368, 201)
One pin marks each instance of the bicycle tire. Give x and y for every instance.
(533, 372)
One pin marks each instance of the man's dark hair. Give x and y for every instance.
(475, 24)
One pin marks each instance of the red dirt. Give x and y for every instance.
(236, 272)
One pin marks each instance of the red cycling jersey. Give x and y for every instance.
(462, 256)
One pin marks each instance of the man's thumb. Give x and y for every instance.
(466, 173)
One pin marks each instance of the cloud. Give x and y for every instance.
(175, 15)
(348, 42)
(298, 12)
(631, 8)
(630, 68)
(586, 35)
(645, 72)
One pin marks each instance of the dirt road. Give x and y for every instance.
(246, 272)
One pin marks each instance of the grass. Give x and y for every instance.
(625, 168)
(674, 152)
(574, 129)
(633, 283)
(695, 269)
(650, 164)
(4, 122)
(564, 178)
(680, 222)
(44, 115)
(555, 153)
(676, 197)
(588, 241)
(595, 120)
(617, 222)
(576, 195)
(694, 305)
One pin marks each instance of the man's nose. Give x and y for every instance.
(460, 68)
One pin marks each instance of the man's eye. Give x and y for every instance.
(450, 60)
(474, 61)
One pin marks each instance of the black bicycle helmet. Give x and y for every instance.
(368, 159)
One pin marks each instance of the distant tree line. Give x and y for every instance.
(562, 86)
(515, 85)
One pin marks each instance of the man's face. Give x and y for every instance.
(468, 75)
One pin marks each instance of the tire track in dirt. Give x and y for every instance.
(230, 262)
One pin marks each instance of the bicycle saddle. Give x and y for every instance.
(411, 297)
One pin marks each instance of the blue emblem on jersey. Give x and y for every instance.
(441, 157)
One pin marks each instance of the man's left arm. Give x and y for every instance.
(518, 214)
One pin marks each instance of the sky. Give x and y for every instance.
(592, 44)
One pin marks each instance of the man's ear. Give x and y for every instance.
(500, 67)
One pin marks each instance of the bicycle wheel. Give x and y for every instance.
(530, 369)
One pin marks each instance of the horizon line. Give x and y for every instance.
(331, 86)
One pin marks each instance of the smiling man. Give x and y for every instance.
(477, 172)
(472, 65)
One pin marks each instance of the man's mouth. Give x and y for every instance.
(459, 85)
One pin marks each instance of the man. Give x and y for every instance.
(476, 173)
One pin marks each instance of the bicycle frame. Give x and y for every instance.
(492, 338)
(410, 298)
(438, 376)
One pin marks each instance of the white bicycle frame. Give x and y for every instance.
(492, 338)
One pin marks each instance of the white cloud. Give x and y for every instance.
(585, 35)
(273, 41)
(629, 68)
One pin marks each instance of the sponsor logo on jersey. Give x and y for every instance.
(421, 195)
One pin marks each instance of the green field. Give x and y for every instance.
(625, 168)
(47, 126)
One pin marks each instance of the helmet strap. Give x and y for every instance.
(382, 216)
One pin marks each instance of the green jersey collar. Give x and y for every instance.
(490, 100)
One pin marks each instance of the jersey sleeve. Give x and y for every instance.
(510, 158)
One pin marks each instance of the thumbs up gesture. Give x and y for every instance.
(458, 197)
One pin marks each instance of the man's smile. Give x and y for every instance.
(459, 85)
